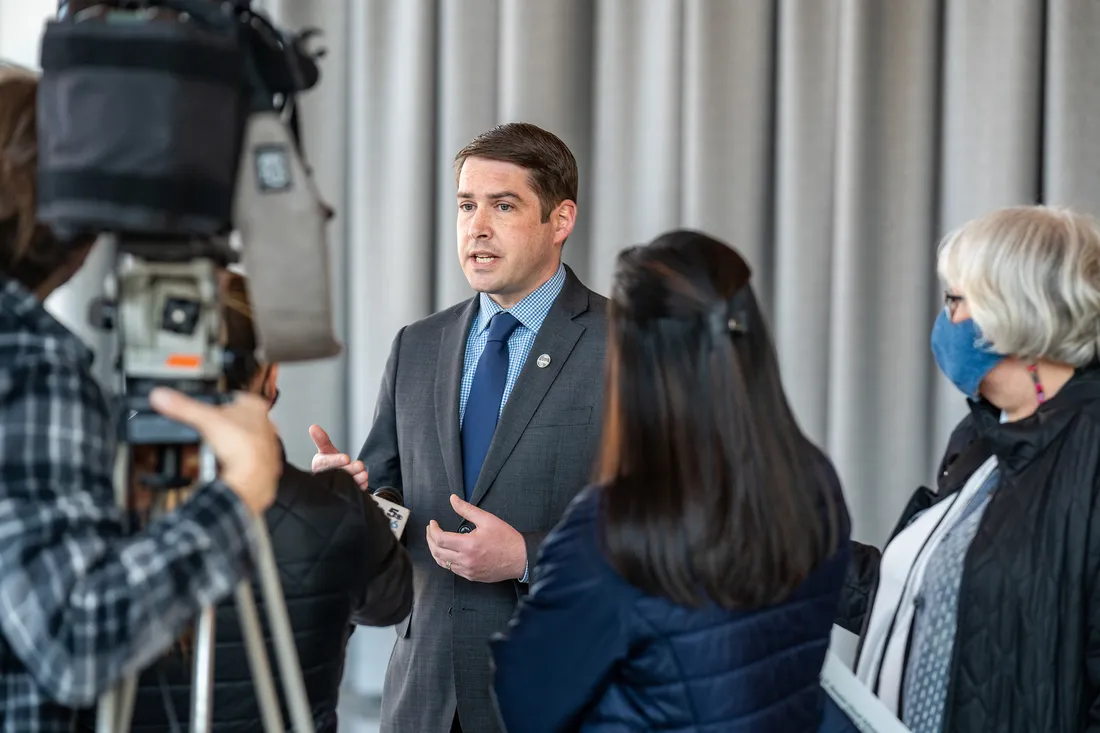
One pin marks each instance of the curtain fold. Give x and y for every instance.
(727, 120)
(882, 239)
(636, 139)
(804, 149)
(1071, 125)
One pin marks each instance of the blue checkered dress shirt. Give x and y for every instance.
(530, 312)
(82, 603)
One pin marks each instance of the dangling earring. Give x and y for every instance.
(1033, 370)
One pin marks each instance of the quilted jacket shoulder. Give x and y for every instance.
(639, 662)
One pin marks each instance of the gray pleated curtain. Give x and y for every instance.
(832, 141)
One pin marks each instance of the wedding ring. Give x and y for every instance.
(448, 565)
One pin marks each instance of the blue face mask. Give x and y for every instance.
(960, 354)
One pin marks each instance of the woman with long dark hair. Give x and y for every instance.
(694, 586)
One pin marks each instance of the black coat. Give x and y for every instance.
(339, 564)
(1027, 650)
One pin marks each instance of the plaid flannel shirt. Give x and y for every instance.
(81, 602)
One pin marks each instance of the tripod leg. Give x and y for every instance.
(106, 714)
(126, 694)
(257, 659)
(202, 693)
(286, 653)
(112, 714)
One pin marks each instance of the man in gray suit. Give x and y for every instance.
(486, 425)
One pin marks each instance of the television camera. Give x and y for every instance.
(170, 130)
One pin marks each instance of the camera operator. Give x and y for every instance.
(82, 603)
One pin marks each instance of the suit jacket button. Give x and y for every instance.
(465, 528)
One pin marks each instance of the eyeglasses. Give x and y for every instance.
(951, 302)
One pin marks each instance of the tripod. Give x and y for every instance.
(163, 301)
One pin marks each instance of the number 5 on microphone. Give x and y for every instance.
(397, 514)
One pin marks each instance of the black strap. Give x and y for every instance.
(194, 197)
(183, 57)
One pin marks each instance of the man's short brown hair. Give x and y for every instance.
(552, 167)
(29, 253)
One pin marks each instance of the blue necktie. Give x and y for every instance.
(483, 405)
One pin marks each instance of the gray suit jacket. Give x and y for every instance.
(541, 456)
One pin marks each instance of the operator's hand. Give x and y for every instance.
(493, 552)
(327, 457)
(241, 436)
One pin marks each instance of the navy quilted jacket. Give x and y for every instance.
(586, 651)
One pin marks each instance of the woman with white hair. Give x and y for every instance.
(983, 611)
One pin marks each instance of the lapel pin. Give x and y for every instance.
(543, 361)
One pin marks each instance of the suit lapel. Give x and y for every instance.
(448, 386)
(557, 337)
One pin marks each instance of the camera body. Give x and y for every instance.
(143, 111)
(166, 128)
(158, 125)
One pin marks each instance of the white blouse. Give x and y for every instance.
(881, 663)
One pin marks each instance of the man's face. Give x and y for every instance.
(505, 248)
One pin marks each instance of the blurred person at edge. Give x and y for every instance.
(983, 611)
(81, 601)
(694, 586)
(339, 565)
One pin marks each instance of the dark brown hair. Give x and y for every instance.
(710, 491)
(29, 253)
(551, 165)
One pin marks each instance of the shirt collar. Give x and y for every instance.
(532, 310)
(29, 312)
(19, 301)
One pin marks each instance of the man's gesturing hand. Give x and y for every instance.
(493, 552)
(241, 437)
(327, 457)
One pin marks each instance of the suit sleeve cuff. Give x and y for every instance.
(532, 541)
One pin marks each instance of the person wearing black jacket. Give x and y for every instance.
(983, 611)
(339, 565)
